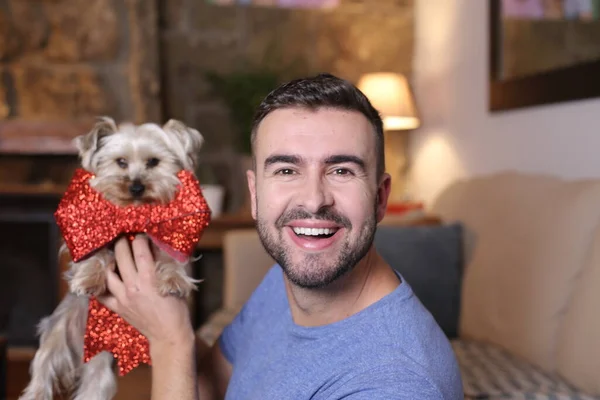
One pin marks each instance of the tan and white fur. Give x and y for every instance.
(131, 165)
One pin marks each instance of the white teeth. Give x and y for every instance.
(313, 231)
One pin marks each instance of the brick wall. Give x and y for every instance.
(359, 36)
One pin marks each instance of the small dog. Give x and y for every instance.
(131, 165)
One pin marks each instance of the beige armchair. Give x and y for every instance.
(245, 263)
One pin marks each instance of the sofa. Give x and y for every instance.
(511, 273)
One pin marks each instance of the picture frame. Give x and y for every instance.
(576, 82)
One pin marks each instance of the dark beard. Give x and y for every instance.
(314, 277)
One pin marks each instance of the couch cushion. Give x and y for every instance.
(529, 237)
(489, 372)
(210, 330)
(579, 342)
(245, 262)
(430, 259)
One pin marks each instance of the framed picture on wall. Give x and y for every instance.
(543, 52)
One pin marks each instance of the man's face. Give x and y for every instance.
(315, 193)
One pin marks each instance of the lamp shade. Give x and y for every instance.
(391, 95)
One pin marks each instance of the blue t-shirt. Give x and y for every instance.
(391, 350)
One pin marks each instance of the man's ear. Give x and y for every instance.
(382, 195)
(88, 144)
(251, 177)
(190, 139)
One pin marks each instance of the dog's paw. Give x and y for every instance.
(88, 277)
(88, 285)
(175, 284)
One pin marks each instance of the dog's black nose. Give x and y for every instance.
(136, 188)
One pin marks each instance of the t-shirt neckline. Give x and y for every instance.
(315, 332)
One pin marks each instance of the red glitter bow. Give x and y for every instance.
(89, 222)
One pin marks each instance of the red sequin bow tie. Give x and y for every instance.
(89, 222)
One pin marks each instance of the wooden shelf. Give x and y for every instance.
(212, 237)
(21, 189)
(19, 136)
(411, 218)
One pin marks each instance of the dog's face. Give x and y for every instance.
(135, 164)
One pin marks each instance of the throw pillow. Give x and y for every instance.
(430, 260)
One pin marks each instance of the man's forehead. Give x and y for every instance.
(331, 130)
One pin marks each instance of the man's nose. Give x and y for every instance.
(315, 195)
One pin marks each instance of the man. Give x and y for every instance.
(331, 320)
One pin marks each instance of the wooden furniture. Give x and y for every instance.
(212, 237)
(19, 136)
(3, 368)
(29, 240)
(136, 385)
(405, 220)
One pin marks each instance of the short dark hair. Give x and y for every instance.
(323, 91)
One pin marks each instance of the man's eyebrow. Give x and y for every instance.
(344, 158)
(282, 158)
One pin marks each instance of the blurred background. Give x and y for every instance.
(206, 63)
(467, 88)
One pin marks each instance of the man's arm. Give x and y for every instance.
(173, 369)
(214, 368)
(164, 320)
(214, 371)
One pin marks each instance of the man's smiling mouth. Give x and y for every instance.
(317, 233)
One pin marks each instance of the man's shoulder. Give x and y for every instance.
(405, 340)
(394, 381)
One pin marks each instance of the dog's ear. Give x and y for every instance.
(190, 139)
(88, 144)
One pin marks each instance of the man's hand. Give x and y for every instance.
(165, 321)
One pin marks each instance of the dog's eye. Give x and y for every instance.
(121, 162)
(152, 162)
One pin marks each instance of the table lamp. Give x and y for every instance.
(391, 95)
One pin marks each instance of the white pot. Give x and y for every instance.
(214, 195)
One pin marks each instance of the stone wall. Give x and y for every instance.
(64, 62)
(357, 37)
(147, 60)
(77, 59)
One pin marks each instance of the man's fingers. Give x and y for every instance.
(111, 302)
(142, 255)
(115, 286)
(125, 262)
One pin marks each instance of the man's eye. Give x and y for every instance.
(285, 171)
(342, 171)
